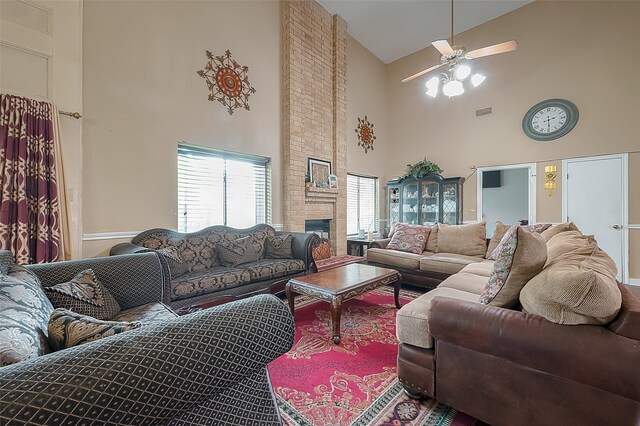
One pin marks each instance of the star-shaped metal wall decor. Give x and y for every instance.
(365, 134)
(227, 81)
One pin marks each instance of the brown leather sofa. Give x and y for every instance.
(507, 367)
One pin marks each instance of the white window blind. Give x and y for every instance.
(221, 188)
(362, 204)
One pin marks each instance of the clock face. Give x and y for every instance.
(550, 119)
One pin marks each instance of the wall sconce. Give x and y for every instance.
(550, 174)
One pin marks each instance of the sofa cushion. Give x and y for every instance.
(469, 240)
(561, 227)
(208, 281)
(238, 252)
(412, 319)
(273, 268)
(177, 266)
(84, 294)
(483, 268)
(68, 329)
(570, 245)
(498, 233)
(409, 238)
(575, 288)
(537, 229)
(627, 323)
(394, 258)
(432, 241)
(522, 254)
(24, 317)
(447, 263)
(465, 281)
(146, 314)
(278, 247)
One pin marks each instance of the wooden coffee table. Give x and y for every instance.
(339, 284)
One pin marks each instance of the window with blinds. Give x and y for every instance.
(221, 188)
(362, 204)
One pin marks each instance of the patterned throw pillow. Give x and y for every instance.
(24, 313)
(278, 247)
(67, 329)
(537, 229)
(521, 257)
(85, 295)
(409, 238)
(176, 265)
(238, 252)
(321, 251)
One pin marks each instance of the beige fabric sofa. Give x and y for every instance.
(449, 249)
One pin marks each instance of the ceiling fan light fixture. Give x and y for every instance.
(432, 86)
(452, 88)
(462, 71)
(477, 79)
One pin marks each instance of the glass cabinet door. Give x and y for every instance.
(450, 203)
(429, 203)
(410, 203)
(394, 205)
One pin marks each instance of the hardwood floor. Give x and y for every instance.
(634, 289)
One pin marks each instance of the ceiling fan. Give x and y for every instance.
(452, 56)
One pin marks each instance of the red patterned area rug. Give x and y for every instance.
(354, 383)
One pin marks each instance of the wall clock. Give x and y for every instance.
(550, 119)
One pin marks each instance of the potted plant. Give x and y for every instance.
(422, 168)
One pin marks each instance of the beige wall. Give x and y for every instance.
(142, 96)
(366, 95)
(566, 50)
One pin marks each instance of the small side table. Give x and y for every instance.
(357, 246)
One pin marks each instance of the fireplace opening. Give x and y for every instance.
(319, 226)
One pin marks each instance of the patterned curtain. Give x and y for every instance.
(29, 210)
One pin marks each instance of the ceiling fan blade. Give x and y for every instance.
(507, 46)
(443, 47)
(416, 75)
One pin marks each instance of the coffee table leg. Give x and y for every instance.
(336, 311)
(396, 292)
(290, 298)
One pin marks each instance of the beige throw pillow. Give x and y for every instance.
(432, 241)
(469, 240)
(561, 227)
(577, 287)
(521, 256)
(498, 233)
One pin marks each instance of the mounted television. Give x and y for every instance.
(492, 179)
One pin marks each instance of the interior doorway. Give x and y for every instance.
(595, 198)
(507, 194)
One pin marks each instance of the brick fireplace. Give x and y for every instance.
(314, 78)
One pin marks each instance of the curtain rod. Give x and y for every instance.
(75, 115)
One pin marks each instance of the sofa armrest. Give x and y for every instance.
(152, 374)
(380, 243)
(589, 354)
(132, 279)
(301, 246)
(127, 248)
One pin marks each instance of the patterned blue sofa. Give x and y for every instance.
(198, 275)
(208, 367)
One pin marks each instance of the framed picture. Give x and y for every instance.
(319, 171)
(333, 181)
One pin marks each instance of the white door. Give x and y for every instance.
(594, 199)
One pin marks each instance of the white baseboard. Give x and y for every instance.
(634, 281)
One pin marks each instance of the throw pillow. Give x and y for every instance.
(24, 314)
(537, 229)
(321, 251)
(519, 259)
(176, 265)
(67, 329)
(278, 247)
(237, 252)
(576, 288)
(498, 233)
(432, 241)
(561, 227)
(409, 238)
(85, 295)
(468, 240)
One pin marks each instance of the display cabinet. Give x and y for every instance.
(427, 200)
